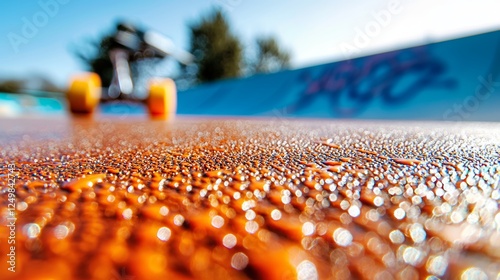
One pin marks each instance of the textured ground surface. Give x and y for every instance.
(241, 199)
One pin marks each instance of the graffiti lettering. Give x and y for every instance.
(352, 85)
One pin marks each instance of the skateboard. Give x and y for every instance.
(129, 44)
(85, 93)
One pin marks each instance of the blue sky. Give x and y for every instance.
(315, 31)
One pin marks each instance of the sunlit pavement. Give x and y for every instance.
(249, 199)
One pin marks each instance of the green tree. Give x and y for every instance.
(12, 85)
(270, 57)
(218, 52)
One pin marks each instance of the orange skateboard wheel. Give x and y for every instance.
(84, 93)
(162, 100)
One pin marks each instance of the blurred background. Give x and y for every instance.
(386, 59)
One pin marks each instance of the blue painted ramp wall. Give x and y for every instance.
(452, 80)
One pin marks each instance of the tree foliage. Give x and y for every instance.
(218, 52)
(30, 83)
(270, 57)
(11, 86)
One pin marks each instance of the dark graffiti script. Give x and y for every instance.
(352, 85)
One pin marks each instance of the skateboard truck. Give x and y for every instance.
(130, 44)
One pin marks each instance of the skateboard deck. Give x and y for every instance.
(248, 199)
